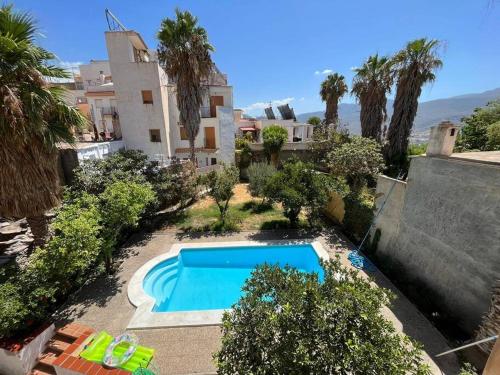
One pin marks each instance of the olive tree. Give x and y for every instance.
(356, 160)
(220, 184)
(292, 322)
(259, 175)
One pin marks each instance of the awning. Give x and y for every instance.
(248, 129)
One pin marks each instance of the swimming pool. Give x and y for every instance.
(207, 279)
(193, 284)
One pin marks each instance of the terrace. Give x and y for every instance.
(104, 303)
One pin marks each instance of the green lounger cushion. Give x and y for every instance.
(95, 351)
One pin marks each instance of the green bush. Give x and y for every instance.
(259, 175)
(493, 134)
(274, 138)
(288, 322)
(220, 184)
(356, 161)
(13, 311)
(122, 205)
(314, 120)
(474, 133)
(299, 186)
(468, 369)
(417, 149)
(93, 176)
(75, 246)
(240, 143)
(174, 185)
(326, 138)
(358, 214)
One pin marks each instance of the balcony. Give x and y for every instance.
(109, 111)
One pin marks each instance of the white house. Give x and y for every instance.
(298, 132)
(130, 96)
(100, 96)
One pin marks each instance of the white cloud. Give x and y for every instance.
(323, 72)
(302, 99)
(262, 105)
(69, 64)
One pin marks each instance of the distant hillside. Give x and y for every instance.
(429, 113)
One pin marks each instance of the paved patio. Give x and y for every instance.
(104, 305)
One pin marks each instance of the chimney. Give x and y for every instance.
(442, 139)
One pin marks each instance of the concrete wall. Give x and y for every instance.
(443, 232)
(23, 361)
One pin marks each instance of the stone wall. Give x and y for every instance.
(441, 232)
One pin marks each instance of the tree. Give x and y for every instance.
(493, 133)
(474, 133)
(325, 139)
(371, 84)
(184, 52)
(415, 66)
(292, 322)
(357, 160)
(259, 175)
(299, 186)
(220, 184)
(314, 120)
(33, 119)
(332, 89)
(274, 137)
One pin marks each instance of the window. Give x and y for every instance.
(184, 134)
(147, 96)
(154, 135)
(452, 133)
(214, 161)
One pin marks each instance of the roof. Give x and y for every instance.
(487, 157)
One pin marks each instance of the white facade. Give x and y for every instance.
(146, 104)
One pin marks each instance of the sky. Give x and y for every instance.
(279, 51)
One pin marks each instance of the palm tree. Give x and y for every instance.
(415, 66)
(332, 89)
(33, 118)
(370, 85)
(184, 52)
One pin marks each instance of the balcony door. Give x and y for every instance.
(214, 102)
(210, 137)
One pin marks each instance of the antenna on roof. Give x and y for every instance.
(114, 23)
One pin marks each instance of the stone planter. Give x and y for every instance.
(20, 358)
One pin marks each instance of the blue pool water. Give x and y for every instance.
(211, 278)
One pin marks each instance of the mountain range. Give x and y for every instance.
(429, 113)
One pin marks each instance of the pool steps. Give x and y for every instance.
(164, 280)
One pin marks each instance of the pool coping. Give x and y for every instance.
(145, 318)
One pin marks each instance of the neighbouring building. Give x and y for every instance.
(439, 231)
(100, 96)
(130, 96)
(299, 134)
